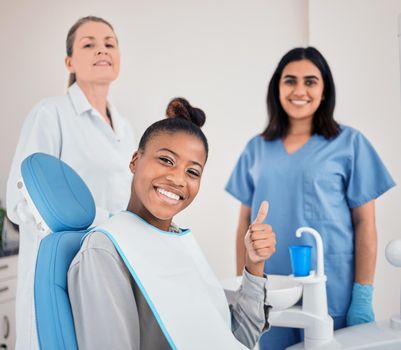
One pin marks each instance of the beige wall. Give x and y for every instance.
(220, 55)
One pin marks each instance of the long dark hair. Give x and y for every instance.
(181, 117)
(323, 121)
(71, 37)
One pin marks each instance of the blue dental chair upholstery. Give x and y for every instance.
(66, 206)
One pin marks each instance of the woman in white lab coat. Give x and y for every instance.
(86, 131)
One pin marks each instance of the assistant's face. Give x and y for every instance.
(96, 55)
(301, 89)
(167, 177)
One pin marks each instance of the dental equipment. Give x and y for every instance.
(313, 316)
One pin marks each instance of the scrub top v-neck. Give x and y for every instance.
(299, 150)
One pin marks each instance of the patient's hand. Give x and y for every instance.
(260, 242)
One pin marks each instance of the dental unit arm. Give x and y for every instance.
(313, 316)
(314, 294)
(318, 325)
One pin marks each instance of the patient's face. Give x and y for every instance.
(167, 177)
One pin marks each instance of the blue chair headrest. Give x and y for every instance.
(60, 195)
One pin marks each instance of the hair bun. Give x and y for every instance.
(180, 108)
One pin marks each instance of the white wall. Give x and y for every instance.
(220, 55)
(359, 38)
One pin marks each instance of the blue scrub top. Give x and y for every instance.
(315, 186)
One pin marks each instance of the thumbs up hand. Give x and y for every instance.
(260, 242)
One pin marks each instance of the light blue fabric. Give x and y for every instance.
(65, 203)
(361, 310)
(60, 195)
(317, 186)
(54, 319)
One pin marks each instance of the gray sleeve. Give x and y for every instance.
(102, 300)
(249, 311)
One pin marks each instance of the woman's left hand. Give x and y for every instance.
(260, 241)
(361, 309)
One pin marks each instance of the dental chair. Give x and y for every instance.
(63, 207)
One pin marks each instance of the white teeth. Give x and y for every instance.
(299, 102)
(168, 194)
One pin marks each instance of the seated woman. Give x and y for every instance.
(141, 282)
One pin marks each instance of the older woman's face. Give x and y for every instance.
(96, 55)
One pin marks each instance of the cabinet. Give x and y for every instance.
(8, 286)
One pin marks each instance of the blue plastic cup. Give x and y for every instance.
(300, 256)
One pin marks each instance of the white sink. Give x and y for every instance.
(282, 291)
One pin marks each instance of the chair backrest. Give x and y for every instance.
(66, 206)
(54, 321)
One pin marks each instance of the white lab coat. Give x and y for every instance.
(69, 128)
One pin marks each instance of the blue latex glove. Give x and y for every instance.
(361, 310)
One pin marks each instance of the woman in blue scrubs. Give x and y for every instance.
(318, 173)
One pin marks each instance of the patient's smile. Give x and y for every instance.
(168, 194)
(167, 176)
